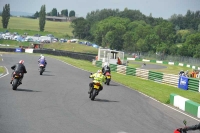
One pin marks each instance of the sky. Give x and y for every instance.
(158, 8)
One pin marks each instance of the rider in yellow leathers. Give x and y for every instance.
(98, 77)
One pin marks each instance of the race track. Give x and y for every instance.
(57, 102)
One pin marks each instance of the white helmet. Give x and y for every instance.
(41, 55)
(106, 64)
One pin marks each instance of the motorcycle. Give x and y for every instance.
(94, 90)
(108, 78)
(179, 130)
(17, 79)
(41, 68)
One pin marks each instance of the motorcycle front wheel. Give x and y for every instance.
(93, 93)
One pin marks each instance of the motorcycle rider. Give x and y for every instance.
(19, 67)
(42, 60)
(106, 68)
(188, 128)
(98, 77)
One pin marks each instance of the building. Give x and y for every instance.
(60, 19)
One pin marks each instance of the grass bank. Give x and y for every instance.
(31, 26)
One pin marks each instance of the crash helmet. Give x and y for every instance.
(99, 71)
(21, 62)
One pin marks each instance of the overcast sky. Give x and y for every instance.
(158, 8)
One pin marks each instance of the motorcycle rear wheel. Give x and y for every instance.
(15, 82)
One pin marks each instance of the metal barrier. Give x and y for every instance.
(121, 69)
(143, 73)
(171, 79)
(155, 76)
(193, 84)
(113, 67)
(130, 71)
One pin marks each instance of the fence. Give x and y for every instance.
(75, 55)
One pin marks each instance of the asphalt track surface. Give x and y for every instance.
(57, 102)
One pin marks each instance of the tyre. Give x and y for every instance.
(15, 82)
(41, 70)
(93, 94)
(108, 81)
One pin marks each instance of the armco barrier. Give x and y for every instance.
(185, 104)
(98, 63)
(130, 71)
(142, 73)
(193, 84)
(155, 76)
(113, 67)
(121, 69)
(170, 79)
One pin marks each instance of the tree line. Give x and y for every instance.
(131, 31)
(54, 12)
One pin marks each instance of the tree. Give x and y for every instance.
(54, 12)
(72, 13)
(36, 15)
(5, 15)
(80, 27)
(64, 12)
(42, 18)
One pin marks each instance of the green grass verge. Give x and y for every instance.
(170, 69)
(31, 26)
(2, 69)
(160, 92)
(75, 47)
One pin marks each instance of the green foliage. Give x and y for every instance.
(54, 12)
(80, 27)
(189, 21)
(36, 15)
(42, 19)
(5, 15)
(72, 13)
(64, 12)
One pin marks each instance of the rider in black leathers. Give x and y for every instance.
(19, 67)
(105, 68)
(188, 128)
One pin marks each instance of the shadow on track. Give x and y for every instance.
(26, 90)
(103, 100)
(47, 74)
(112, 85)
